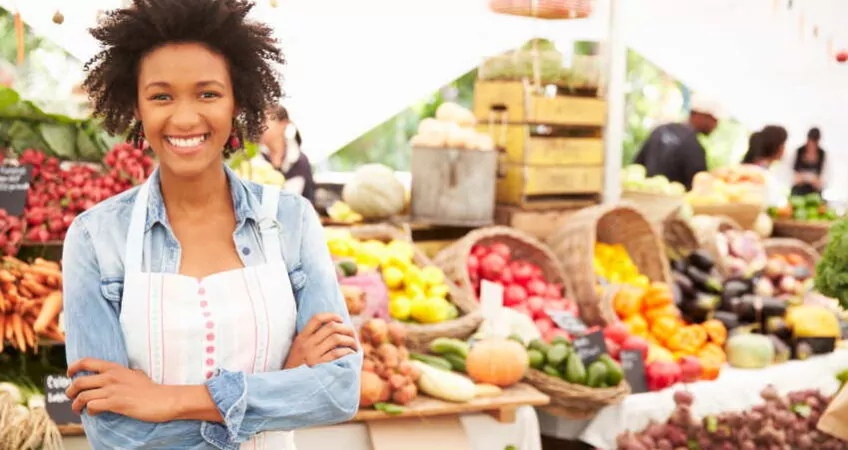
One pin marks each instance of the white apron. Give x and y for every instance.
(179, 329)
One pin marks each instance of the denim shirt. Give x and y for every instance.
(250, 403)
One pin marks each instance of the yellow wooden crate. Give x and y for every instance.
(521, 104)
(523, 147)
(523, 185)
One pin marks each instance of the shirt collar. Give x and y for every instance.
(245, 202)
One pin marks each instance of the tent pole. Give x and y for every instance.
(616, 67)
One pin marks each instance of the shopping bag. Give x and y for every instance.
(834, 421)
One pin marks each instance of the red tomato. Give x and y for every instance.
(616, 332)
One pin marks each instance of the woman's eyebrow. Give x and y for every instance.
(204, 83)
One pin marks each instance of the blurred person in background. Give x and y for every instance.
(281, 143)
(766, 147)
(809, 167)
(673, 149)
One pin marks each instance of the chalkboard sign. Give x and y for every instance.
(58, 404)
(568, 322)
(634, 370)
(14, 185)
(590, 347)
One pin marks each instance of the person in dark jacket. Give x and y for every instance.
(281, 143)
(809, 167)
(673, 149)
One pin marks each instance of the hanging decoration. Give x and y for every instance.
(58, 17)
(543, 9)
(274, 3)
(19, 36)
(842, 56)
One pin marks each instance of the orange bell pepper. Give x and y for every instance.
(710, 369)
(658, 295)
(668, 310)
(716, 331)
(688, 339)
(663, 328)
(658, 353)
(711, 351)
(636, 325)
(628, 302)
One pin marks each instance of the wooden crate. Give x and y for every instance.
(549, 186)
(453, 186)
(520, 103)
(537, 223)
(539, 145)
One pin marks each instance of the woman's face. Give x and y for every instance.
(186, 105)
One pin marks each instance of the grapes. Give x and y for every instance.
(782, 422)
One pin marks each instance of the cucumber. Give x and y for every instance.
(557, 354)
(444, 346)
(430, 360)
(614, 372)
(457, 362)
(538, 344)
(537, 358)
(348, 268)
(517, 338)
(550, 370)
(596, 374)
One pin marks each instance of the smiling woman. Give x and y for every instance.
(181, 331)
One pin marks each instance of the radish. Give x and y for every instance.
(537, 287)
(492, 265)
(501, 249)
(514, 295)
(536, 305)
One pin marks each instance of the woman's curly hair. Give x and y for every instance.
(129, 34)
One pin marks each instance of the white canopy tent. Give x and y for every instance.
(351, 65)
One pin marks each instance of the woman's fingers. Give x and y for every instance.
(318, 320)
(336, 341)
(330, 329)
(86, 383)
(85, 397)
(335, 354)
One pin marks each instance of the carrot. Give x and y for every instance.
(18, 332)
(2, 331)
(37, 289)
(49, 311)
(2, 304)
(44, 271)
(9, 331)
(6, 276)
(53, 282)
(29, 336)
(48, 264)
(54, 334)
(24, 292)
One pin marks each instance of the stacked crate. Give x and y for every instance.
(552, 156)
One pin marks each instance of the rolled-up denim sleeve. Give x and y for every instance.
(93, 330)
(304, 396)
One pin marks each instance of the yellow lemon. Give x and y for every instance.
(393, 277)
(414, 291)
(339, 247)
(439, 290)
(432, 275)
(400, 308)
(414, 276)
(452, 312)
(401, 249)
(428, 310)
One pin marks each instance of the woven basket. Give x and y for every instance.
(821, 244)
(678, 235)
(543, 9)
(794, 246)
(574, 246)
(744, 214)
(809, 232)
(575, 401)
(524, 247)
(419, 336)
(655, 207)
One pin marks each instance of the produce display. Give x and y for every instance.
(559, 359)
(59, 192)
(341, 212)
(11, 233)
(736, 184)
(388, 276)
(260, 171)
(809, 207)
(490, 363)
(24, 422)
(387, 373)
(30, 303)
(540, 58)
(674, 349)
(453, 127)
(634, 178)
(782, 422)
(787, 276)
(525, 288)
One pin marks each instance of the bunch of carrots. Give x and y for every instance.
(30, 302)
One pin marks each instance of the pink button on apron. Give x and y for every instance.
(210, 362)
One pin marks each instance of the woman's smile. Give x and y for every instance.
(186, 144)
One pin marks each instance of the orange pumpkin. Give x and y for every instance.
(497, 361)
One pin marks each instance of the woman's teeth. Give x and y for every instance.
(190, 142)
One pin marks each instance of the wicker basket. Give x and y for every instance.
(419, 336)
(655, 207)
(794, 246)
(821, 244)
(574, 401)
(524, 247)
(809, 232)
(574, 246)
(679, 235)
(744, 214)
(543, 9)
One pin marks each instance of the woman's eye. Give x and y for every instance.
(209, 95)
(160, 97)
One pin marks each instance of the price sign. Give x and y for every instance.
(57, 403)
(568, 322)
(14, 185)
(634, 370)
(590, 347)
(491, 306)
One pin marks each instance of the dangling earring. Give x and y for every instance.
(136, 136)
(235, 141)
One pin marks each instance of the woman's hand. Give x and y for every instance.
(115, 388)
(325, 338)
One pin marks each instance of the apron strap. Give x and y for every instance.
(135, 235)
(268, 225)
